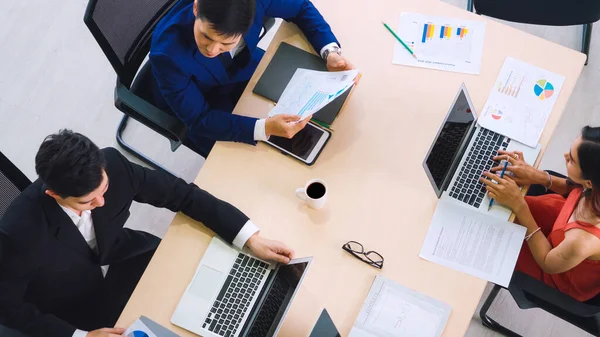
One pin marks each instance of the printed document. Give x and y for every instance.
(440, 43)
(310, 90)
(521, 101)
(392, 310)
(473, 242)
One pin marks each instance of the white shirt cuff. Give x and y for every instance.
(326, 47)
(260, 132)
(80, 333)
(245, 233)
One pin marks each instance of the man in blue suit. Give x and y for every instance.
(204, 52)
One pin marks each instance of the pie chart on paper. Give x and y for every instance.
(497, 114)
(543, 89)
(137, 333)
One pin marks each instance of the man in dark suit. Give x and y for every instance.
(204, 52)
(67, 265)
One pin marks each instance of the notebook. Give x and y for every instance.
(280, 70)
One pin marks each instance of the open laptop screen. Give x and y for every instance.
(446, 146)
(279, 293)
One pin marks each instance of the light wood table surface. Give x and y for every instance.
(379, 194)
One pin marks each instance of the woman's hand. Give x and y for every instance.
(523, 174)
(504, 190)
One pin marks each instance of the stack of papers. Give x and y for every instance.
(392, 310)
(309, 90)
(521, 101)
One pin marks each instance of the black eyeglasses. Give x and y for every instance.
(358, 251)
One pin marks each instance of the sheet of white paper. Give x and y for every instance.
(139, 329)
(310, 90)
(521, 101)
(440, 43)
(392, 310)
(473, 242)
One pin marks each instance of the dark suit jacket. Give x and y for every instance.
(198, 89)
(50, 280)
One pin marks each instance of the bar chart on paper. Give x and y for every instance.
(440, 43)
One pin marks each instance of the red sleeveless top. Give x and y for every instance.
(552, 213)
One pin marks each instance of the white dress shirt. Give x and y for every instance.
(85, 225)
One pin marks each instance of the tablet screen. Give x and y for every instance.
(302, 143)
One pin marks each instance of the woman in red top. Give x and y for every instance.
(563, 229)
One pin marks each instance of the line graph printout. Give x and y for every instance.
(392, 310)
(521, 101)
(310, 90)
(440, 43)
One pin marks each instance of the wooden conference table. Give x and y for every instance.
(379, 194)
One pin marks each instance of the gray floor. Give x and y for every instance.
(53, 75)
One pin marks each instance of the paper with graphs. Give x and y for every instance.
(521, 101)
(392, 310)
(310, 90)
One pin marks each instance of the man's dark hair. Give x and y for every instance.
(229, 18)
(70, 164)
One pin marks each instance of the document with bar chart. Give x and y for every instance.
(310, 90)
(440, 43)
(521, 101)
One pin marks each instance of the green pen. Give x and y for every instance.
(321, 124)
(399, 40)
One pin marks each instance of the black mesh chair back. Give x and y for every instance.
(544, 12)
(541, 12)
(123, 29)
(12, 182)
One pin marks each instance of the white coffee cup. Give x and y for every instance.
(314, 193)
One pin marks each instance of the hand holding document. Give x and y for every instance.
(473, 242)
(392, 310)
(308, 91)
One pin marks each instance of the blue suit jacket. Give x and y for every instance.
(198, 89)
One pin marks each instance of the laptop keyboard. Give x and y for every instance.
(467, 187)
(236, 294)
(445, 149)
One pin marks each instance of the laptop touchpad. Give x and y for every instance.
(207, 283)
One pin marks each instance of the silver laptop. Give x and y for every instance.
(462, 151)
(234, 294)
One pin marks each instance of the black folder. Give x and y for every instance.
(280, 70)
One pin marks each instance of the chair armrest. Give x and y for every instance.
(523, 286)
(149, 115)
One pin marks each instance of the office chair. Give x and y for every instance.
(123, 30)
(12, 182)
(544, 12)
(529, 292)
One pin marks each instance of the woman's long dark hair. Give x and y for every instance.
(589, 162)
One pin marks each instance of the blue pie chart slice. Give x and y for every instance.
(137, 333)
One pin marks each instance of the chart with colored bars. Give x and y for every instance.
(543, 89)
(317, 99)
(512, 86)
(445, 32)
(521, 101)
(440, 43)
